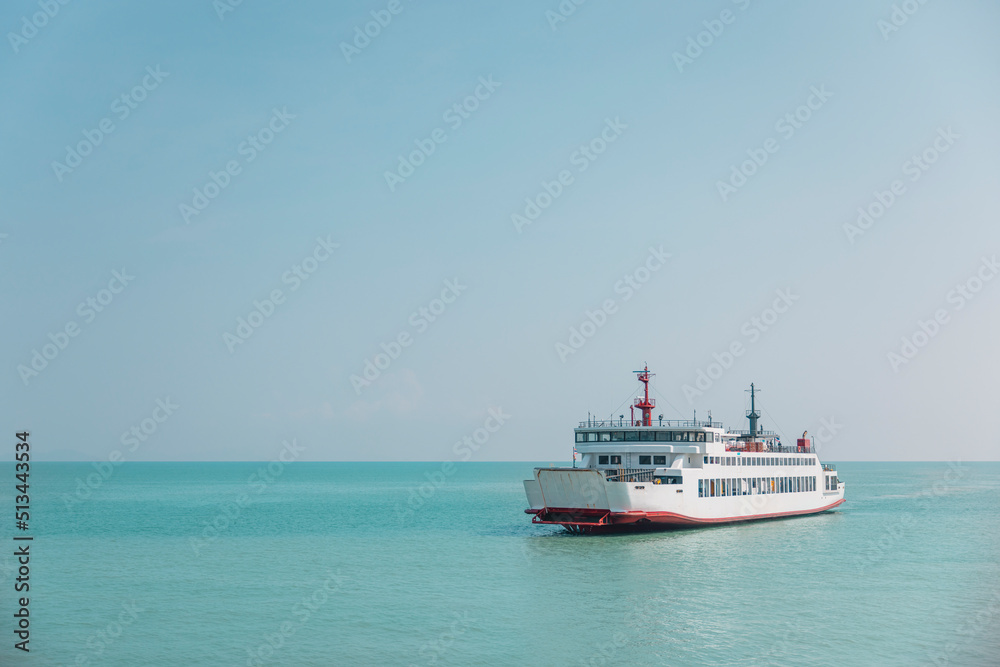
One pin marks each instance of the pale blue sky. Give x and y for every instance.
(495, 345)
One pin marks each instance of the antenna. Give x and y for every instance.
(753, 415)
(644, 404)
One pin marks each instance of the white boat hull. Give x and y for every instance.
(582, 499)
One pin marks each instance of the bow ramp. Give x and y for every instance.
(572, 494)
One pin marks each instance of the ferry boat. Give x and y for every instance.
(636, 474)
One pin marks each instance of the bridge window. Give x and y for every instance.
(660, 460)
(605, 436)
(645, 435)
(581, 437)
(617, 436)
(663, 435)
(700, 437)
(602, 460)
(645, 460)
(631, 435)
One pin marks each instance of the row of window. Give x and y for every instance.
(650, 460)
(760, 460)
(749, 486)
(647, 436)
(615, 459)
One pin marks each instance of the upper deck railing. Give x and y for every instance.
(759, 434)
(664, 423)
(765, 449)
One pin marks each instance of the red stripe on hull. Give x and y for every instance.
(638, 520)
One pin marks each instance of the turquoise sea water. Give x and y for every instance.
(324, 565)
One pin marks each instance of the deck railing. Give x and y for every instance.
(746, 447)
(629, 474)
(656, 423)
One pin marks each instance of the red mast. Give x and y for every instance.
(644, 404)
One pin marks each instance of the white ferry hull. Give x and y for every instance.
(583, 501)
